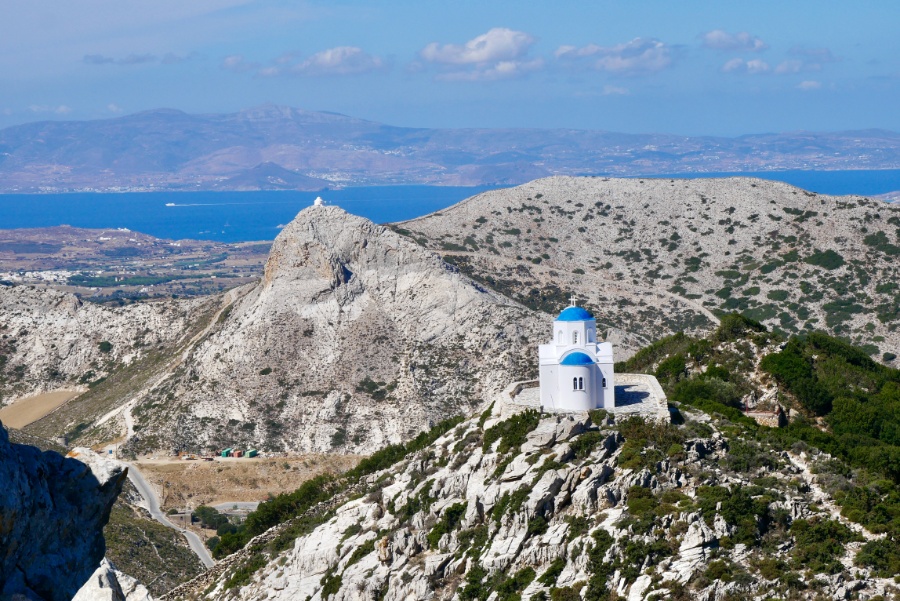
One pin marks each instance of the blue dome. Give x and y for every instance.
(575, 314)
(577, 358)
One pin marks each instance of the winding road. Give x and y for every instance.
(146, 490)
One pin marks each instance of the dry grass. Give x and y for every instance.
(195, 483)
(28, 410)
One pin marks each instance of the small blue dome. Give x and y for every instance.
(575, 314)
(577, 358)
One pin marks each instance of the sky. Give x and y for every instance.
(644, 66)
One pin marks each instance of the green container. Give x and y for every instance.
(252, 453)
(226, 452)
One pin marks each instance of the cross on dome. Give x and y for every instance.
(572, 300)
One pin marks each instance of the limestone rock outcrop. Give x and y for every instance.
(355, 337)
(109, 584)
(50, 339)
(52, 513)
(573, 510)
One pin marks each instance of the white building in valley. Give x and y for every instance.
(576, 371)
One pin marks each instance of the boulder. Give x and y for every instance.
(52, 513)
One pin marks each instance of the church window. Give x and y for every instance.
(580, 383)
(590, 335)
(559, 337)
(604, 382)
(574, 337)
(574, 383)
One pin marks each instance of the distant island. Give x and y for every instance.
(284, 148)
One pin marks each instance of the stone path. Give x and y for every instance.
(636, 394)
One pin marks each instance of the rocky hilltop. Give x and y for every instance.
(52, 513)
(653, 256)
(49, 339)
(355, 337)
(358, 335)
(568, 508)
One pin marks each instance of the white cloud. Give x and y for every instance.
(719, 39)
(497, 45)
(62, 109)
(751, 67)
(809, 85)
(639, 56)
(614, 91)
(789, 66)
(238, 64)
(112, 107)
(343, 60)
(500, 70)
(134, 59)
(808, 59)
(500, 53)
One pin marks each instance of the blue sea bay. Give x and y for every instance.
(244, 216)
(221, 216)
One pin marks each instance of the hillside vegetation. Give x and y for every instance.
(560, 508)
(656, 256)
(844, 404)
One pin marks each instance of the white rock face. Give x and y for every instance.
(109, 584)
(356, 337)
(559, 518)
(52, 514)
(51, 339)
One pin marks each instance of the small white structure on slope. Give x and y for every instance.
(318, 202)
(576, 371)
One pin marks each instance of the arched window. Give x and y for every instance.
(574, 337)
(590, 335)
(559, 337)
(580, 383)
(604, 382)
(574, 383)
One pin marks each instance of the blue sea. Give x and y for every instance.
(244, 216)
(221, 216)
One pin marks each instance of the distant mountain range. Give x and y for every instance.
(275, 147)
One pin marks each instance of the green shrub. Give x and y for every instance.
(584, 444)
(735, 326)
(882, 556)
(672, 368)
(551, 574)
(827, 259)
(511, 432)
(105, 346)
(245, 571)
(331, 584)
(820, 544)
(450, 519)
(391, 454)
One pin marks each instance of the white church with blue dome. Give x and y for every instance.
(576, 371)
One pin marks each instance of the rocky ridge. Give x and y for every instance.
(49, 339)
(564, 507)
(655, 256)
(355, 337)
(52, 513)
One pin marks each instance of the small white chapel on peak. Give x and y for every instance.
(576, 371)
